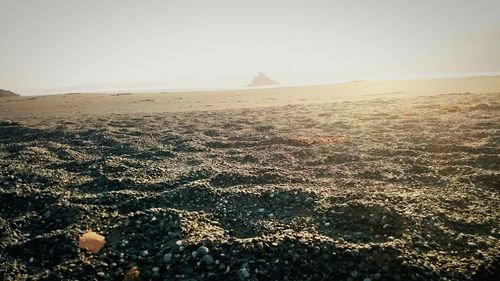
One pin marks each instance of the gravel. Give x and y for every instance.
(382, 189)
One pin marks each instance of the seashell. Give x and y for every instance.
(92, 242)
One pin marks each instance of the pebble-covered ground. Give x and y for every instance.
(384, 189)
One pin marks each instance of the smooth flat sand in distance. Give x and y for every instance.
(245, 98)
(378, 180)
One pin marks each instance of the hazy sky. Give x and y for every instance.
(121, 44)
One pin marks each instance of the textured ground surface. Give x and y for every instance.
(385, 189)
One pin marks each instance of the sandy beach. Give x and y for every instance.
(355, 181)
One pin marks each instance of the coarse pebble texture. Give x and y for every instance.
(381, 189)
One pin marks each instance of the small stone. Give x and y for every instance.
(386, 226)
(432, 256)
(309, 200)
(32, 259)
(6, 122)
(207, 259)
(178, 242)
(100, 274)
(155, 269)
(377, 276)
(167, 258)
(354, 274)
(202, 250)
(156, 275)
(261, 210)
(243, 273)
(144, 253)
(194, 254)
(327, 224)
(367, 279)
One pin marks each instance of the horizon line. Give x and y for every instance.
(61, 90)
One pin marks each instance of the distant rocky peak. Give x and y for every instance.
(5, 93)
(262, 80)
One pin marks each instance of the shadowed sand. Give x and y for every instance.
(377, 180)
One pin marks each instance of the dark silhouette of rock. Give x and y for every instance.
(5, 93)
(262, 80)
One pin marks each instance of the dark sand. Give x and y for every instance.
(388, 184)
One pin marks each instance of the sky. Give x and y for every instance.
(97, 45)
